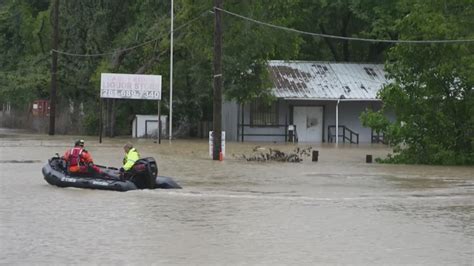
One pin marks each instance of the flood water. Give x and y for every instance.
(339, 210)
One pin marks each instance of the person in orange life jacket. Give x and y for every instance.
(79, 160)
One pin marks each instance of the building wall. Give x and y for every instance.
(235, 113)
(349, 112)
(147, 126)
(230, 114)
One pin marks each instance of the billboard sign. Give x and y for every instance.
(130, 86)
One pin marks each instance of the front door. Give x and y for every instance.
(309, 123)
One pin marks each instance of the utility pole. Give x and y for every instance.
(171, 70)
(217, 104)
(54, 68)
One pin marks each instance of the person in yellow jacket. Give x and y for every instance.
(131, 156)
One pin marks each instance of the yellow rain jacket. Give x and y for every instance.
(130, 159)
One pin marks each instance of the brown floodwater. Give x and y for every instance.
(339, 210)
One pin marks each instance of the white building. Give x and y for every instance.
(146, 126)
(312, 97)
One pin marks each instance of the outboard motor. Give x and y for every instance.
(144, 173)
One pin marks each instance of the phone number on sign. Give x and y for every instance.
(134, 94)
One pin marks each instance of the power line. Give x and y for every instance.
(342, 37)
(206, 12)
(109, 53)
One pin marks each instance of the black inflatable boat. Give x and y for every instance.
(55, 173)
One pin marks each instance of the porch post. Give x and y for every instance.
(337, 121)
(337, 117)
(242, 120)
(238, 119)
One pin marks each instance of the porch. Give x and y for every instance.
(307, 121)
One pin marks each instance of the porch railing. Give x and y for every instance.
(347, 134)
(241, 132)
(377, 137)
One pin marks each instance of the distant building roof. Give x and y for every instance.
(325, 80)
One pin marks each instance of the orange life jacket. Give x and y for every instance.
(75, 156)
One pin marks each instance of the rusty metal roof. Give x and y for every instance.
(326, 80)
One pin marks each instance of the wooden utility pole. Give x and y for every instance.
(54, 68)
(217, 104)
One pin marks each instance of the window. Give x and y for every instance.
(263, 114)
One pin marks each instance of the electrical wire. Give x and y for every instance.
(342, 37)
(206, 12)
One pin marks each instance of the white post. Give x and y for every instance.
(337, 121)
(171, 71)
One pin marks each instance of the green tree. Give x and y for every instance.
(432, 90)
(246, 49)
(24, 59)
(373, 19)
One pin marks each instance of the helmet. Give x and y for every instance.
(79, 143)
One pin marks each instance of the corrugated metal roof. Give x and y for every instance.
(325, 80)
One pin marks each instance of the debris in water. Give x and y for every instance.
(262, 154)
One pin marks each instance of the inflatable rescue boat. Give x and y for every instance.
(144, 175)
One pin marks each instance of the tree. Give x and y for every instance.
(247, 47)
(432, 91)
(373, 19)
(430, 76)
(24, 61)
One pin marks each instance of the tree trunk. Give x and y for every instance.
(345, 43)
(375, 51)
(331, 46)
(150, 63)
(54, 68)
(110, 118)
